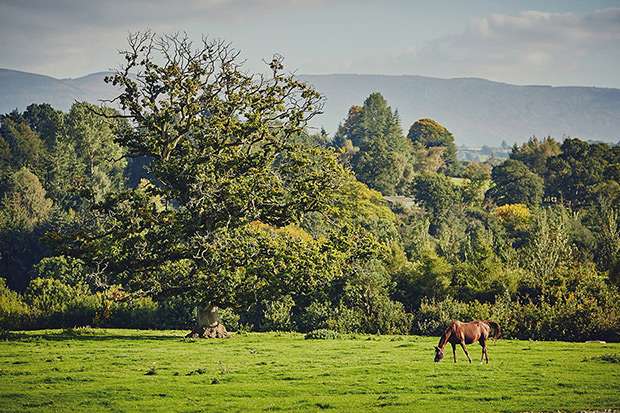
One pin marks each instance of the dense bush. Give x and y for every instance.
(13, 311)
(322, 334)
(434, 316)
(49, 303)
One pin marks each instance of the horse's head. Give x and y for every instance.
(438, 354)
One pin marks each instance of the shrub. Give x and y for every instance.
(68, 270)
(138, 313)
(228, 317)
(344, 320)
(270, 315)
(277, 315)
(323, 315)
(388, 317)
(80, 312)
(314, 317)
(322, 334)
(434, 316)
(13, 311)
(47, 299)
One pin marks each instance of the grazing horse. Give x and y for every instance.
(467, 333)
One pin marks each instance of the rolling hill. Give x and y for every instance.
(478, 112)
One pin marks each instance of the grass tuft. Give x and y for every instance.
(610, 358)
(322, 334)
(197, 371)
(153, 370)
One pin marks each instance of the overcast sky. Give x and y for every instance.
(551, 42)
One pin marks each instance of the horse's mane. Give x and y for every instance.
(446, 335)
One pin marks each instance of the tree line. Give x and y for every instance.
(207, 192)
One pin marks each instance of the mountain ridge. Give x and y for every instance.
(477, 111)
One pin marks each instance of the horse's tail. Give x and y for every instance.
(496, 329)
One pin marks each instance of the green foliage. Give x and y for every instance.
(478, 177)
(356, 205)
(13, 310)
(372, 140)
(534, 154)
(429, 276)
(270, 315)
(435, 315)
(48, 298)
(26, 148)
(89, 149)
(25, 212)
(429, 134)
(582, 172)
(325, 315)
(437, 194)
(377, 166)
(68, 270)
(228, 176)
(514, 183)
(548, 250)
(227, 200)
(366, 292)
(607, 254)
(322, 334)
(25, 205)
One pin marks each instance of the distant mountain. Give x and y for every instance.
(20, 89)
(477, 112)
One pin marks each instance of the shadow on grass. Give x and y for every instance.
(89, 334)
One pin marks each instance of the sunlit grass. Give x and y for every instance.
(128, 370)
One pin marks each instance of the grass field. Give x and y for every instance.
(128, 370)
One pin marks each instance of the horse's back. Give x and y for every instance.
(468, 332)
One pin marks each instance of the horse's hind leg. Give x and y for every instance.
(465, 350)
(483, 343)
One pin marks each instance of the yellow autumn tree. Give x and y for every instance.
(514, 215)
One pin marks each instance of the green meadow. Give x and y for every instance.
(129, 370)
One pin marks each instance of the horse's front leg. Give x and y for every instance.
(454, 351)
(465, 350)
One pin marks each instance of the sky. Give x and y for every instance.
(523, 42)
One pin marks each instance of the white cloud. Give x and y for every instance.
(72, 38)
(68, 38)
(519, 47)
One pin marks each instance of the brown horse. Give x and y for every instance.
(467, 333)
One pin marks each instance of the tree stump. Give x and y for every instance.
(218, 331)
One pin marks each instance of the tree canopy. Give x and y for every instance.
(516, 184)
(430, 134)
(381, 158)
(226, 168)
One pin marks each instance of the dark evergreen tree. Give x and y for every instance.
(534, 154)
(381, 158)
(514, 183)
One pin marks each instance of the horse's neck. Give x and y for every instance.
(444, 338)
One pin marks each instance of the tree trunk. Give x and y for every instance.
(208, 324)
